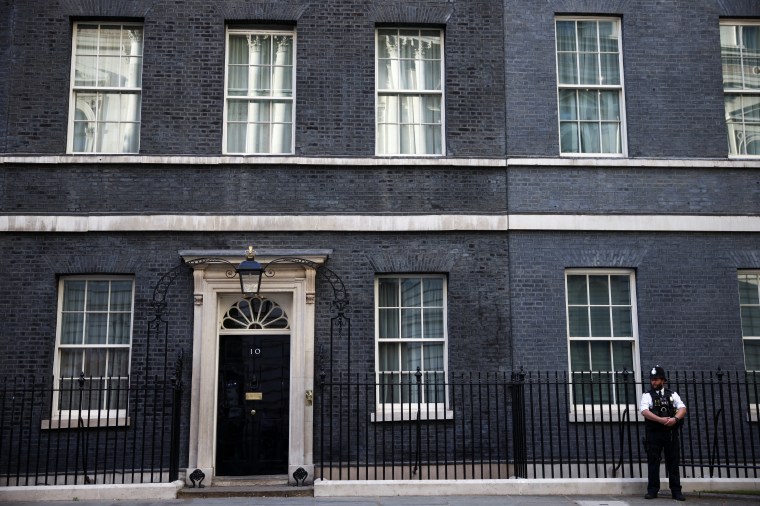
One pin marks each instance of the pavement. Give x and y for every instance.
(702, 499)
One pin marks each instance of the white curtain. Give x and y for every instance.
(409, 61)
(260, 72)
(107, 57)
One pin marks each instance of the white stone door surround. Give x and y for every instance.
(215, 285)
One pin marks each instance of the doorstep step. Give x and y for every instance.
(247, 491)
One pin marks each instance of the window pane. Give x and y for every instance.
(622, 354)
(237, 81)
(579, 325)
(86, 71)
(110, 40)
(258, 138)
(620, 289)
(118, 363)
(96, 328)
(588, 105)
(119, 332)
(259, 81)
(118, 394)
(576, 290)
(72, 328)
(610, 69)
(389, 389)
(95, 362)
(283, 50)
(411, 323)
(411, 356)
(622, 322)
(121, 296)
(600, 322)
(609, 105)
(434, 323)
(598, 290)
(409, 389)
(566, 36)
(752, 139)
(751, 56)
(431, 109)
(388, 357)
(752, 355)
(73, 295)
(97, 295)
(750, 321)
(430, 43)
(388, 290)
(389, 324)
(579, 356)
(433, 357)
(282, 81)
(568, 106)
(236, 137)
(731, 57)
(608, 37)
(408, 43)
(601, 359)
(431, 75)
(411, 292)
(589, 68)
(749, 289)
(569, 137)
(237, 52)
(610, 133)
(587, 36)
(71, 363)
(86, 40)
(387, 44)
(433, 295)
(568, 68)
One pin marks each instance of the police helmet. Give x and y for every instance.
(657, 372)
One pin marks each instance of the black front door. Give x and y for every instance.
(252, 407)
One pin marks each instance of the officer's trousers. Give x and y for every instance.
(657, 443)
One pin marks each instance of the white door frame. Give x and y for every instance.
(212, 282)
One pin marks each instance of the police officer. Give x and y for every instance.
(663, 411)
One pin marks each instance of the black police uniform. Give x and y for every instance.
(662, 439)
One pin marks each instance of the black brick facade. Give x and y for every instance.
(506, 293)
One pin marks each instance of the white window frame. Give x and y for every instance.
(743, 91)
(620, 88)
(401, 411)
(755, 408)
(74, 90)
(227, 98)
(399, 93)
(93, 416)
(609, 411)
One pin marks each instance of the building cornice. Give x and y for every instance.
(733, 163)
(379, 223)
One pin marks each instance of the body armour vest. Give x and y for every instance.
(662, 405)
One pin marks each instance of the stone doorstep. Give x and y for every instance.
(248, 486)
(246, 491)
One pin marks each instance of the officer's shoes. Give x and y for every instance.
(651, 495)
(678, 496)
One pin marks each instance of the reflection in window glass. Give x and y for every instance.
(601, 336)
(589, 80)
(411, 334)
(95, 337)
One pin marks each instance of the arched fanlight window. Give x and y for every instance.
(255, 313)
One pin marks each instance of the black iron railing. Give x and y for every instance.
(91, 430)
(527, 425)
